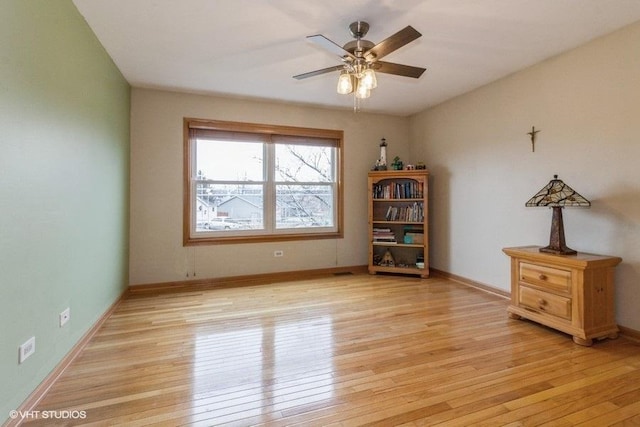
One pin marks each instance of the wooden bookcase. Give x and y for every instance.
(398, 221)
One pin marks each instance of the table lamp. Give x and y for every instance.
(556, 195)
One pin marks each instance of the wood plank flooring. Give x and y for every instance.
(345, 350)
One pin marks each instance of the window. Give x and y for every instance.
(247, 182)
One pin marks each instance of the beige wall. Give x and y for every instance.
(587, 105)
(157, 254)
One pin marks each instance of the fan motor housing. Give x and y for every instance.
(358, 46)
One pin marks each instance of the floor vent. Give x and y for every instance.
(343, 273)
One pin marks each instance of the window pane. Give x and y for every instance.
(229, 160)
(304, 163)
(221, 207)
(304, 206)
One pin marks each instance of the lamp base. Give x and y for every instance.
(558, 251)
(557, 243)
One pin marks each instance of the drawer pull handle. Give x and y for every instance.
(542, 302)
(542, 277)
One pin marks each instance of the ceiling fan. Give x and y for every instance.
(361, 59)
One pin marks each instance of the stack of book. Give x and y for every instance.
(413, 235)
(383, 235)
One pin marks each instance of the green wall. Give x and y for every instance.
(64, 198)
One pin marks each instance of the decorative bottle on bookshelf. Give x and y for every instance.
(398, 222)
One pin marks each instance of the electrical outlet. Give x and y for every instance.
(26, 349)
(278, 253)
(65, 316)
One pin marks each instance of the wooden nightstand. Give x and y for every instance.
(571, 293)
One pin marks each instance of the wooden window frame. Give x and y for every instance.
(189, 239)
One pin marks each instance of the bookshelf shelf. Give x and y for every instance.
(398, 222)
(392, 200)
(398, 239)
(397, 245)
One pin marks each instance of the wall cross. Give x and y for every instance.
(533, 138)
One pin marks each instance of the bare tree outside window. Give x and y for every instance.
(304, 193)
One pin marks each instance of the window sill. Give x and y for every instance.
(197, 241)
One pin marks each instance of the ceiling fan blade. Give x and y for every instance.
(394, 42)
(398, 69)
(318, 72)
(331, 46)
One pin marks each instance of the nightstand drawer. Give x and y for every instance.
(545, 302)
(546, 277)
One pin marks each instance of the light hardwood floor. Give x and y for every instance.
(342, 350)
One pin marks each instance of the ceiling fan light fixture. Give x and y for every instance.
(368, 79)
(345, 83)
(362, 92)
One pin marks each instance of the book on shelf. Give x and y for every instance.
(409, 189)
(408, 213)
(413, 235)
(384, 235)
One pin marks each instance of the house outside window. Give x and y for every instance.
(252, 182)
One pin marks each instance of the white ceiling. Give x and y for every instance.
(251, 48)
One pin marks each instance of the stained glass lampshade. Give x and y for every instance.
(556, 195)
